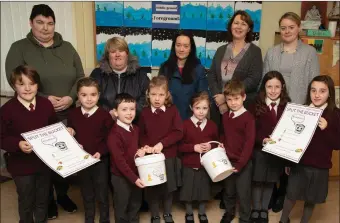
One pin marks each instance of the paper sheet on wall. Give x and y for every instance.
(336, 46)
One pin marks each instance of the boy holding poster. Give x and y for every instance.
(26, 112)
(238, 139)
(123, 146)
(92, 125)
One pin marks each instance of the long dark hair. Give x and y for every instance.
(260, 101)
(327, 80)
(171, 64)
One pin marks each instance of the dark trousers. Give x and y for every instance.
(94, 185)
(127, 198)
(33, 197)
(239, 184)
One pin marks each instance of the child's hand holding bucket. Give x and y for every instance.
(158, 148)
(139, 183)
(141, 152)
(96, 155)
(206, 147)
(198, 148)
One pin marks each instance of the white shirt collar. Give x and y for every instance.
(269, 101)
(153, 109)
(195, 120)
(124, 126)
(91, 112)
(26, 103)
(322, 107)
(238, 112)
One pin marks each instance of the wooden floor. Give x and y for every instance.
(325, 213)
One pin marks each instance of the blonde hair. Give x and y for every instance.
(159, 81)
(291, 16)
(115, 43)
(201, 96)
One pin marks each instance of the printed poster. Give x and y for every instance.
(166, 15)
(293, 132)
(55, 146)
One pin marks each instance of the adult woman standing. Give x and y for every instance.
(119, 72)
(185, 73)
(238, 59)
(299, 64)
(59, 67)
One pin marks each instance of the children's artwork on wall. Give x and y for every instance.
(161, 45)
(149, 26)
(219, 14)
(105, 33)
(165, 15)
(137, 14)
(109, 13)
(193, 15)
(139, 42)
(200, 41)
(254, 9)
(215, 39)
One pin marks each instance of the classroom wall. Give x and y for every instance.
(85, 27)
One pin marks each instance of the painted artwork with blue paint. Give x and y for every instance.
(218, 15)
(103, 34)
(109, 13)
(138, 14)
(214, 40)
(254, 9)
(161, 45)
(193, 15)
(139, 42)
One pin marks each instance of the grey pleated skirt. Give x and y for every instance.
(196, 185)
(173, 175)
(266, 167)
(308, 184)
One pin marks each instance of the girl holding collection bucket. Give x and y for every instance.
(267, 110)
(197, 132)
(161, 128)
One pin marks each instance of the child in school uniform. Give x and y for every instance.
(26, 112)
(238, 139)
(197, 132)
(267, 110)
(308, 180)
(123, 146)
(92, 125)
(161, 129)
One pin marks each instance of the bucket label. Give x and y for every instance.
(222, 161)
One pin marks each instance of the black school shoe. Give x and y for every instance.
(52, 212)
(203, 218)
(67, 204)
(253, 219)
(263, 220)
(278, 206)
(169, 217)
(227, 218)
(191, 220)
(155, 219)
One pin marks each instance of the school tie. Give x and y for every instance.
(231, 115)
(130, 128)
(86, 115)
(198, 125)
(272, 110)
(31, 107)
(159, 111)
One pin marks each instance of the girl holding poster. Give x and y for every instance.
(267, 110)
(308, 180)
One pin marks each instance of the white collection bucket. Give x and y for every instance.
(151, 169)
(216, 163)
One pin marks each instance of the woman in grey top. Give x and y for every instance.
(296, 61)
(299, 64)
(239, 59)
